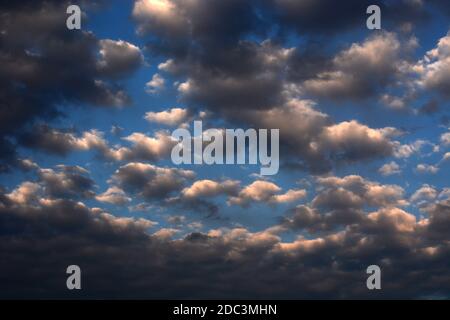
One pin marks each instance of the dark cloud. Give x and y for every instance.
(216, 53)
(342, 202)
(44, 67)
(149, 181)
(67, 182)
(323, 16)
(118, 58)
(64, 141)
(48, 139)
(236, 77)
(125, 260)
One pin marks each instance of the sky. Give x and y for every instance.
(86, 175)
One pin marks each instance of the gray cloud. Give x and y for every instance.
(44, 67)
(149, 181)
(217, 264)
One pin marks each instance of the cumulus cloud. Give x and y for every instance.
(149, 181)
(210, 188)
(315, 143)
(356, 141)
(361, 191)
(62, 142)
(424, 194)
(434, 68)
(326, 263)
(427, 168)
(28, 164)
(359, 71)
(265, 191)
(392, 220)
(316, 249)
(409, 149)
(26, 192)
(118, 58)
(341, 202)
(114, 195)
(161, 14)
(445, 139)
(446, 156)
(225, 88)
(45, 68)
(389, 169)
(67, 182)
(144, 147)
(171, 117)
(155, 85)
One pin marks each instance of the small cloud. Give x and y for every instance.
(427, 168)
(445, 139)
(155, 85)
(389, 169)
(169, 117)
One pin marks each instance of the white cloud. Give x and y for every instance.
(264, 191)
(114, 195)
(210, 188)
(427, 168)
(445, 139)
(171, 117)
(389, 169)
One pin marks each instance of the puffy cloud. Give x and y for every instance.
(149, 181)
(290, 196)
(355, 191)
(356, 141)
(46, 68)
(25, 193)
(434, 68)
(407, 150)
(349, 223)
(28, 164)
(359, 71)
(446, 156)
(264, 191)
(166, 233)
(224, 87)
(445, 139)
(219, 260)
(210, 188)
(393, 218)
(114, 195)
(144, 147)
(427, 168)
(161, 14)
(438, 222)
(171, 117)
(118, 58)
(156, 84)
(315, 143)
(62, 142)
(389, 169)
(424, 194)
(392, 102)
(67, 182)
